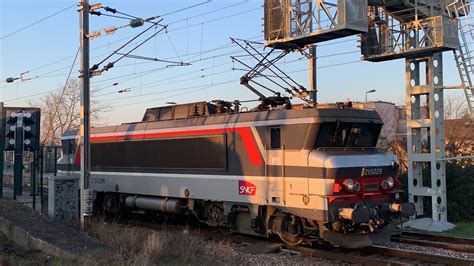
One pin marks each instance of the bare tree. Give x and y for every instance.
(455, 107)
(60, 112)
(459, 129)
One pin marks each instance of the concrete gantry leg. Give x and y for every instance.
(425, 142)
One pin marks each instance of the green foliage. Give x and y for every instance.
(460, 192)
(462, 230)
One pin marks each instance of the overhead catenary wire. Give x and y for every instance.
(199, 88)
(106, 45)
(201, 14)
(319, 45)
(133, 49)
(237, 80)
(194, 55)
(37, 22)
(197, 24)
(66, 83)
(167, 83)
(95, 66)
(198, 53)
(186, 8)
(226, 82)
(138, 74)
(113, 10)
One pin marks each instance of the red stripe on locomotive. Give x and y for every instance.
(245, 133)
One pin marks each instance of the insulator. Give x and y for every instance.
(94, 35)
(135, 23)
(110, 30)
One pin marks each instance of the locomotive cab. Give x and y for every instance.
(362, 185)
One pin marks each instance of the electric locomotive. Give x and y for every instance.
(303, 174)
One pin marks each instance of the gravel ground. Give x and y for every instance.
(40, 226)
(281, 258)
(12, 254)
(173, 246)
(430, 250)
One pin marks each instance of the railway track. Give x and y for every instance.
(465, 245)
(375, 255)
(379, 255)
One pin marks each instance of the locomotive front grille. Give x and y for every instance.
(371, 187)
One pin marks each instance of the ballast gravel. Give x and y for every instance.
(430, 250)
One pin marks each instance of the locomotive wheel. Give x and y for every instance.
(290, 239)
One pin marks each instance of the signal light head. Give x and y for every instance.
(11, 142)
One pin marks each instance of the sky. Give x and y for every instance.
(198, 32)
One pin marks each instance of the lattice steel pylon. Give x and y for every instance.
(420, 31)
(463, 56)
(415, 30)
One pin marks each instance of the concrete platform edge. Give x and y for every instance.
(23, 238)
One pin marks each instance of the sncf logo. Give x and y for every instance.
(247, 188)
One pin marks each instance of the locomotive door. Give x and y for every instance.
(276, 168)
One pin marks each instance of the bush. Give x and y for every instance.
(460, 189)
(168, 246)
(460, 192)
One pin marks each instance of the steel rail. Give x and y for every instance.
(344, 256)
(435, 244)
(419, 256)
(438, 238)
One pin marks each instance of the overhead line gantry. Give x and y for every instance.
(418, 31)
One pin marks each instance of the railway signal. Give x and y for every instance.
(22, 131)
(31, 131)
(15, 139)
(10, 133)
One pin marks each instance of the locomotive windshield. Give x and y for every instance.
(346, 134)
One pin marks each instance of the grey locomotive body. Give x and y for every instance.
(302, 174)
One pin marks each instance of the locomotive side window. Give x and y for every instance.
(343, 134)
(275, 138)
(199, 152)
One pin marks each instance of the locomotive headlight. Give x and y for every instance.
(349, 184)
(388, 183)
(357, 186)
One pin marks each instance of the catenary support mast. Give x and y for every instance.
(86, 200)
